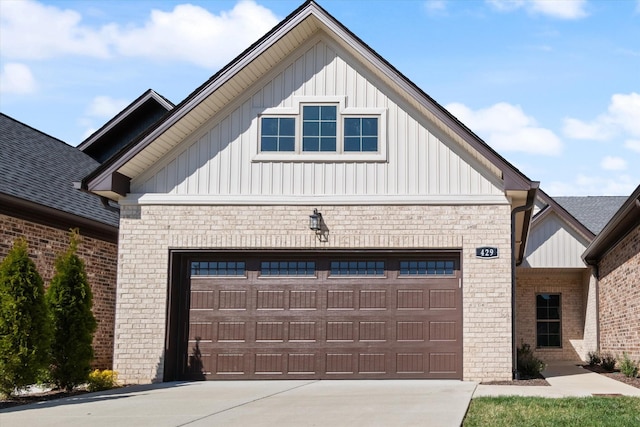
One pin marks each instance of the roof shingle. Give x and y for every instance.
(41, 169)
(592, 211)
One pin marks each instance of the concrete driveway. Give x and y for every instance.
(258, 403)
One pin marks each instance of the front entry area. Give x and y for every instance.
(317, 316)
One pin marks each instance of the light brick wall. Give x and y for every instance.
(619, 293)
(100, 258)
(571, 286)
(147, 233)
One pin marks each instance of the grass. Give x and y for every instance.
(541, 412)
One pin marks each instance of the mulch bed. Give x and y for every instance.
(38, 397)
(538, 381)
(616, 375)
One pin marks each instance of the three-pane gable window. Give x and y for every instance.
(321, 130)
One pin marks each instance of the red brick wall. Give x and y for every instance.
(619, 293)
(100, 258)
(570, 286)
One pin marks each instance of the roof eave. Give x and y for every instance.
(35, 212)
(146, 96)
(622, 222)
(554, 206)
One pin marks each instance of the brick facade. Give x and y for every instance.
(100, 258)
(148, 232)
(570, 284)
(619, 297)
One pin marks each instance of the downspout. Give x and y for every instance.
(107, 205)
(514, 347)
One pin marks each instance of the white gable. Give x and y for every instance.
(552, 243)
(221, 159)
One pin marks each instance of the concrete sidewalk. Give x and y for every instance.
(258, 403)
(566, 379)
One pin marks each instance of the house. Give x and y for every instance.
(614, 256)
(38, 202)
(309, 212)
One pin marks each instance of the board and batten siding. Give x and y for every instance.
(553, 244)
(219, 158)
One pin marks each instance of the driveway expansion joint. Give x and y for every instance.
(247, 403)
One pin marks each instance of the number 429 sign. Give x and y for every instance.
(487, 252)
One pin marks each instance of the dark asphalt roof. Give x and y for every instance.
(594, 212)
(41, 169)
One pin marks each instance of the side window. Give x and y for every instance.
(319, 128)
(360, 134)
(548, 321)
(278, 134)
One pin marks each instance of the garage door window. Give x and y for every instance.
(427, 268)
(357, 268)
(288, 268)
(218, 268)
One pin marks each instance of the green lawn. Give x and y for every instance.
(536, 411)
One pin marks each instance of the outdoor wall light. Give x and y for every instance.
(315, 221)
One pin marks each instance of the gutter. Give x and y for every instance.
(514, 348)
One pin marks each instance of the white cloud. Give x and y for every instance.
(435, 6)
(192, 34)
(561, 9)
(583, 185)
(17, 78)
(612, 163)
(105, 106)
(621, 118)
(632, 144)
(506, 127)
(31, 30)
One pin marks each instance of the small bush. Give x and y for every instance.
(593, 358)
(529, 366)
(70, 300)
(608, 362)
(24, 325)
(102, 380)
(628, 366)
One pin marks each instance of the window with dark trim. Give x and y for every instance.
(548, 321)
(217, 268)
(357, 268)
(287, 268)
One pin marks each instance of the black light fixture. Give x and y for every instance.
(315, 220)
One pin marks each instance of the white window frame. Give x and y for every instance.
(339, 155)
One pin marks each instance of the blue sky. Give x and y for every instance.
(552, 85)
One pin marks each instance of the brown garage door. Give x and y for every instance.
(336, 316)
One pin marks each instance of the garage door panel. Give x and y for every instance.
(324, 326)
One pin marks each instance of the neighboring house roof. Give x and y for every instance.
(624, 220)
(128, 124)
(37, 176)
(591, 211)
